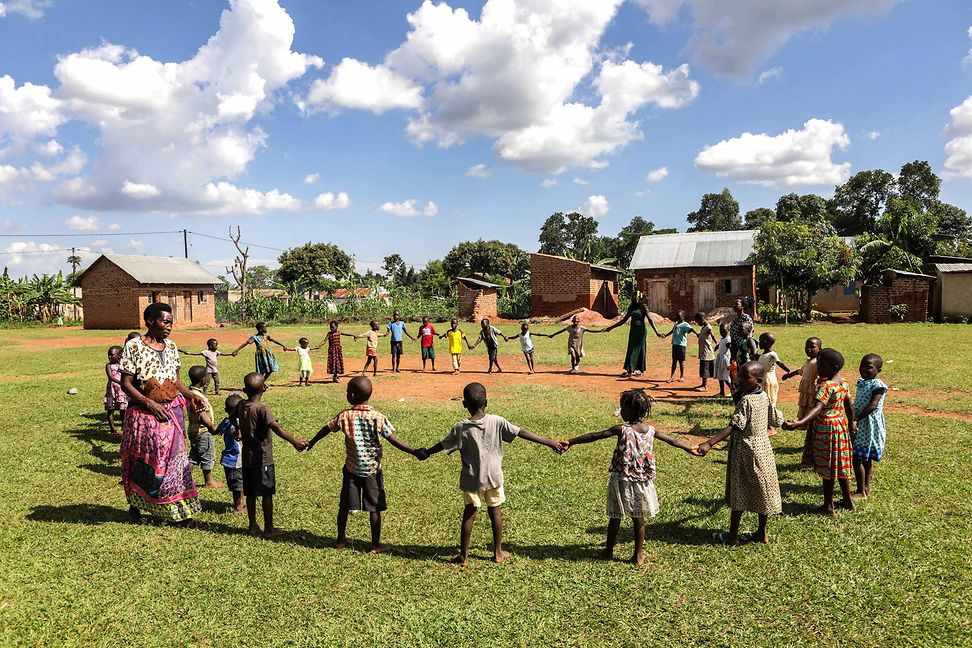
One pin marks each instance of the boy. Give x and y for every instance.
(455, 344)
(231, 458)
(259, 479)
(371, 348)
(363, 486)
(427, 341)
(679, 335)
(707, 356)
(479, 440)
(211, 354)
(200, 428)
(489, 335)
(397, 329)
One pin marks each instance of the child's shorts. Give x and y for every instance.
(214, 378)
(678, 352)
(259, 481)
(234, 479)
(397, 348)
(491, 497)
(363, 493)
(706, 368)
(371, 353)
(491, 353)
(428, 353)
(627, 498)
(202, 451)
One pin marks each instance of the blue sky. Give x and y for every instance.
(401, 126)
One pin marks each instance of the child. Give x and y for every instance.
(808, 391)
(631, 490)
(479, 440)
(679, 335)
(257, 427)
(200, 428)
(363, 486)
(488, 335)
(723, 351)
(305, 366)
(211, 354)
(526, 344)
(231, 458)
(264, 360)
(335, 355)
(427, 342)
(115, 398)
(769, 359)
(132, 336)
(371, 347)
(751, 479)
(707, 356)
(575, 341)
(870, 435)
(829, 419)
(456, 337)
(397, 329)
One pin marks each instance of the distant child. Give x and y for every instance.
(489, 336)
(455, 336)
(723, 360)
(575, 341)
(335, 354)
(231, 458)
(211, 354)
(870, 436)
(769, 359)
(707, 355)
(264, 361)
(808, 392)
(305, 366)
(363, 485)
(371, 348)
(830, 420)
(427, 342)
(132, 336)
(479, 440)
(257, 427)
(200, 428)
(526, 344)
(679, 335)
(631, 489)
(397, 329)
(115, 398)
(751, 480)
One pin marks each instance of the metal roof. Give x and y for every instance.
(565, 258)
(904, 273)
(158, 270)
(694, 250)
(477, 282)
(946, 268)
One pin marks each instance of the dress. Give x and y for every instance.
(771, 384)
(722, 360)
(575, 341)
(634, 357)
(807, 399)
(263, 356)
(751, 479)
(631, 489)
(304, 364)
(335, 356)
(741, 351)
(831, 434)
(115, 397)
(871, 432)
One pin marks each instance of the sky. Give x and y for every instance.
(401, 126)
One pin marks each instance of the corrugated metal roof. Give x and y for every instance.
(904, 273)
(694, 250)
(159, 270)
(477, 282)
(946, 268)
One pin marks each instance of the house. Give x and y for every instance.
(897, 288)
(952, 296)
(694, 272)
(561, 286)
(117, 288)
(342, 295)
(477, 298)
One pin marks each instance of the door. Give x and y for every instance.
(657, 295)
(705, 296)
(187, 305)
(604, 302)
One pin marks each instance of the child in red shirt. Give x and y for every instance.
(427, 340)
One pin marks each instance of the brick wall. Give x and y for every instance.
(476, 303)
(192, 305)
(913, 292)
(681, 287)
(110, 298)
(560, 286)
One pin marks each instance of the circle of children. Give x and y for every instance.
(843, 437)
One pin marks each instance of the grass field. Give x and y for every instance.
(898, 571)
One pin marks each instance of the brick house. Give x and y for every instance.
(952, 296)
(694, 272)
(561, 285)
(118, 287)
(477, 298)
(897, 287)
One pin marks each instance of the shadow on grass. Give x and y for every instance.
(103, 469)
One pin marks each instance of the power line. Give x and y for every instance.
(97, 234)
(229, 240)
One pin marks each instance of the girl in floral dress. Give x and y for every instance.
(870, 435)
(335, 355)
(264, 361)
(808, 393)
(115, 398)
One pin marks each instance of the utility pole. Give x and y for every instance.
(74, 271)
(185, 242)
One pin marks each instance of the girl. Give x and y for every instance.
(751, 480)
(526, 344)
(335, 356)
(722, 359)
(115, 398)
(631, 491)
(371, 347)
(808, 392)
(869, 438)
(769, 359)
(575, 341)
(829, 420)
(304, 364)
(265, 362)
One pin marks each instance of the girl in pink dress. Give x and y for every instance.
(115, 398)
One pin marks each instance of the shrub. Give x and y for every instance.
(899, 311)
(771, 314)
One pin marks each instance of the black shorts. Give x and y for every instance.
(259, 481)
(678, 352)
(491, 353)
(706, 368)
(234, 479)
(363, 493)
(396, 348)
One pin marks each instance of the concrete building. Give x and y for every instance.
(560, 286)
(952, 296)
(477, 298)
(118, 287)
(897, 287)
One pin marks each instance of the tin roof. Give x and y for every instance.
(476, 282)
(564, 258)
(947, 268)
(694, 250)
(903, 273)
(158, 270)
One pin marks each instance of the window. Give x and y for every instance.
(156, 296)
(850, 288)
(727, 286)
(201, 297)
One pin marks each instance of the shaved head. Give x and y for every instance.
(253, 383)
(754, 369)
(474, 396)
(359, 390)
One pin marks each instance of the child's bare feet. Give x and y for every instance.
(500, 556)
(638, 559)
(212, 484)
(726, 539)
(239, 511)
(847, 504)
(254, 531)
(341, 543)
(757, 537)
(859, 494)
(380, 549)
(606, 554)
(274, 532)
(462, 561)
(825, 511)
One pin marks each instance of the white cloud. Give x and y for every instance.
(641, 193)
(479, 171)
(140, 191)
(135, 244)
(353, 84)
(225, 198)
(89, 224)
(548, 182)
(792, 158)
(580, 181)
(968, 57)
(311, 178)
(50, 148)
(873, 135)
(328, 201)
(409, 208)
(958, 150)
(20, 178)
(596, 206)
(27, 112)
(767, 75)
(31, 9)
(657, 175)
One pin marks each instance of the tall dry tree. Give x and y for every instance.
(238, 270)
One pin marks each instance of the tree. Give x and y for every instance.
(313, 263)
(904, 236)
(433, 280)
(395, 269)
(918, 182)
(809, 208)
(718, 212)
(488, 258)
(238, 270)
(858, 203)
(553, 236)
(260, 276)
(755, 218)
(573, 235)
(954, 227)
(622, 247)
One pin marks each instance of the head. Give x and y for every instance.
(332, 326)
(454, 323)
(425, 321)
(484, 323)
(303, 342)
(749, 377)
(198, 376)
(212, 343)
(766, 341)
(474, 397)
(524, 327)
(723, 329)
(254, 384)
(374, 325)
(232, 402)
(871, 366)
(396, 316)
(635, 405)
(114, 354)
(359, 390)
(261, 328)
(700, 319)
(739, 305)
(158, 320)
(133, 335)
(575, 320)
(829, 363)
(746, 328)
(680, 316)
(812, 347)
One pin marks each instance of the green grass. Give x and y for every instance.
(896, 572)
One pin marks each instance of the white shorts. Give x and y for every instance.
(491, 497)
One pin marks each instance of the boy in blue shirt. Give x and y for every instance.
(231, 458)
(397, 329)
(679, 333)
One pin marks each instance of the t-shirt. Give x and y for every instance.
(769, 360)
(706, 350)
(680, 332)
(363, 426)
(455, 340)
(231, 457)
(427, 334)
(371, 339)
(397, 330)
(196, 424)
(526, 342)
(144, 363)
(210, 357)
(480, 444)
(490, 335)
(255, 421)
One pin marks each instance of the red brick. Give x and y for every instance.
(560, 285)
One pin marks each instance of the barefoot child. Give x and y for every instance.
(829, 419)
(427, 342)
(479, 440)
(211, 354)
(870, 435)
(455, 336)
(769, 359)
(257, 427)
(707, 356)
(397, 329)
(264, 361)
(489, 336)
(231, 458)
(335, 354)
(200, 428)
(631, 489)
(723, 351)
(115, 398)
(679, 335)
(363, 485)
(526, 344)
(305, 366)
(751, 480)
(371, 348)
(808, 392)
(575, 341)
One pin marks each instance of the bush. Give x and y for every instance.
(773, 315)
(277, 310)
(514, 302)
(899, 311)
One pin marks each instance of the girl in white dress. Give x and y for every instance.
(722, 360)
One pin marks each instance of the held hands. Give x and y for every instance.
(421, 454)
(301, 444)
(701, 450)
(560, 447)
(789, 425)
